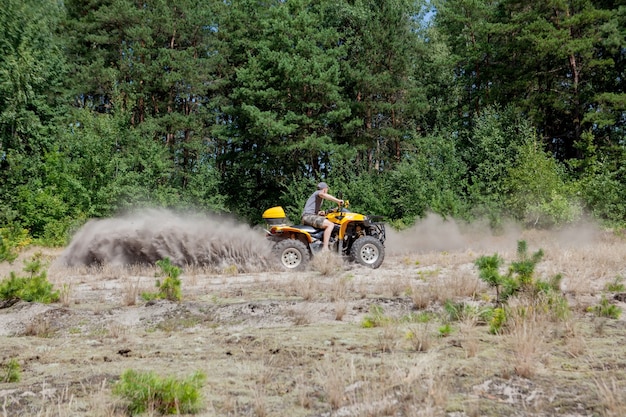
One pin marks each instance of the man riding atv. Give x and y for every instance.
(313, 216)
(357, 237)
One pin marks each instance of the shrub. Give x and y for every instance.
(146, 391)
(463, 311)
(445, 330)
(376, 318)
(170, 287)
(520, 275)
(606, 309)
(34, 288)
(11, 371)
(12, 239)
(520, 279)
(498, 320)
(617, 285)
(537, 193)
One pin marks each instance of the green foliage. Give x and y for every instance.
(12, 371)
(462, 311)
(606, 309)
(421, 317)
(525, 265)
(489, 270)
(445, 330)
(520, 280)
(537, 193)
(497, 321)
(146, 391)
(170, 287)
(430, 178)
(520, 275)
(603, 186)
(12, 240)
(489, 150)
(33, 288)
(504, 52)
(106, 107)
(376, 318)
(617, 285)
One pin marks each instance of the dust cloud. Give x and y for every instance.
(147, 236)
(436, 234)
(219, 242)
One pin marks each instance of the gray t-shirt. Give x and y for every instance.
(313, 204)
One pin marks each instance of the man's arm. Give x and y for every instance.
(329, 197)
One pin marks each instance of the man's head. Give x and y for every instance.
(322, 185)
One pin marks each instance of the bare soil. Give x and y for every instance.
(275, 343)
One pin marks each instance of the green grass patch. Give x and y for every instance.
(148, 392)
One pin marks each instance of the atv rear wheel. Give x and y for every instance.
(292, 254)
(368, 251)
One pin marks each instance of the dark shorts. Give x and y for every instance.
(313, 220)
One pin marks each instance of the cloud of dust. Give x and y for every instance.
(436, 234)
(149, 235)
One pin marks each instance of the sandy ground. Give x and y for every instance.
(275, 343)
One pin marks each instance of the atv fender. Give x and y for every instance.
(286, 230)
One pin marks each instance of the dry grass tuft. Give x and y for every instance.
(131, 291)
(612, 397)
(260, 406)
(421, 296)
(455, 286)
(340, 310)
(528, 327)
(469, 338)
(420, 337)
(575, 343)
(302, 314)
(331, 375)
(302, 384)
(388, 337)
(341, 288)
(396, 285)
(327, 263)
(65, 294)
(39, 327)
(101, 404)
(117, 330)
(305, 287)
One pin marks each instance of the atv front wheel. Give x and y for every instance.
(368, 251)
(292, 254)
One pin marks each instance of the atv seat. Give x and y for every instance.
(309, 229)
(314, 232)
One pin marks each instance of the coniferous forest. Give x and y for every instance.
(477, 109)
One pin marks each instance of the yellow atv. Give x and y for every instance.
(355, 236)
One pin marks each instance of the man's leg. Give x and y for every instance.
(328, 230)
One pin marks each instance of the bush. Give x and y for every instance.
(170, 287)
(376, 318)
(12, 239)
(606, 309)
(429, 179)
(146, 391)
(11, 371)
(520, 280)
(537, 193)
(520, 274)
(34, 288)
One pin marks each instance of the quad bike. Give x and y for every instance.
(355, 236)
